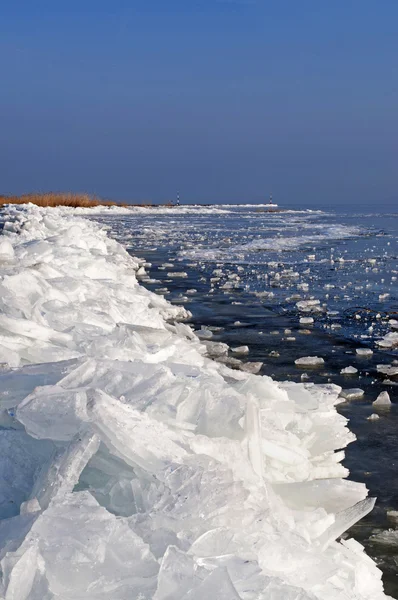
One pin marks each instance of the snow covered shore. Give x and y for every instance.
(134, 467)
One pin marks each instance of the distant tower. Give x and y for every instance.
(270, 198)
(178, 199)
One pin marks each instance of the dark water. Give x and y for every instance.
(261, 265)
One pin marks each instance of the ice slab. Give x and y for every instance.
(62, 473)
(309, 361)
(352, 394)
(389, 341)
(349, 371)
(76, 548)
(306, 320)
(51, 412)
(21, 457)
(364, 352)
(6, 250)
(388, 538)
(389, 370)
(240, 350)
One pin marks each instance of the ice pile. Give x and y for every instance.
(135, 467)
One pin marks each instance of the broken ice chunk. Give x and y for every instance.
(352, 394)
(177, 575)
(204, 334)
(392, 515)
(132, 435)
(309, 306)
(215, 349)
(364, 351)
(62, 473)
(386, 538)
(51, 412)
(389, 370)
(251, 367)
(389, 341)
(240, 350)
(30, 506)
(309, 361)
(349, 371)
(98, 552)
(141, 272)
(21, 459)
(216, 585)
(345, 519)
(177, 274)
(373, 417)
(6, 250)
(382, 400)
(306, 320)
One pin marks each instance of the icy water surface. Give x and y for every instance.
(241, 273)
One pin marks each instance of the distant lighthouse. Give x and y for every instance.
(270, 206)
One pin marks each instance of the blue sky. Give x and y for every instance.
(222, 100)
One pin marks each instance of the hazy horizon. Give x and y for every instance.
(223, 101)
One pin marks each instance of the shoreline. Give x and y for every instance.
(89, 201)
(211, 420)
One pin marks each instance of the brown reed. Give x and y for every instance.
(57, 199)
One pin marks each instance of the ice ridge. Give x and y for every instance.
(134, 467)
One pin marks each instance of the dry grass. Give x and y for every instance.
(57, 199)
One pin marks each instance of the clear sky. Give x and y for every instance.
(222, 100)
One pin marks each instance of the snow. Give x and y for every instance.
(132, 465)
